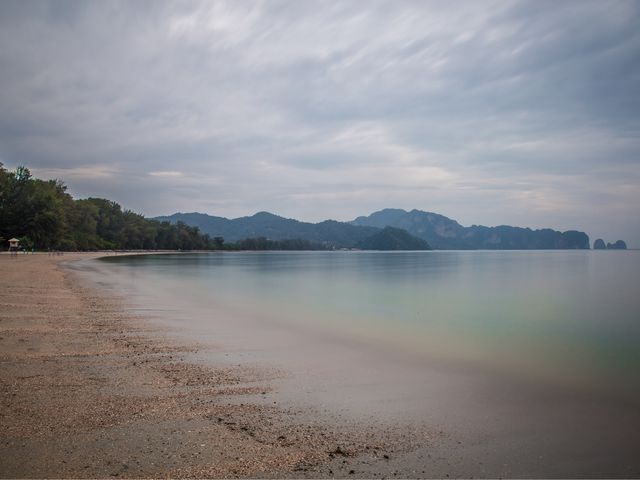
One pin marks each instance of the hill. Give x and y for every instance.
(617, 245)
(391, 238)
(329, 234)
(444, 233)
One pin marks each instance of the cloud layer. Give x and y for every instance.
(524, 113)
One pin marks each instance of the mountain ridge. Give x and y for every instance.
(438, 231)
(328, 233)
(444, 233)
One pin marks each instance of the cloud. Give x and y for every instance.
(77, 173)
(489, 112)
(169, 174)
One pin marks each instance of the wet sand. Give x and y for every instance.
(88, 390)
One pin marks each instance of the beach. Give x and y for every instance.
(152, 366)
(90, 391)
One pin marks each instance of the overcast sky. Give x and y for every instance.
(521, 113)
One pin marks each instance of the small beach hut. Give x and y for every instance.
(14, 244)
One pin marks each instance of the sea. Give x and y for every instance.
(527, 361)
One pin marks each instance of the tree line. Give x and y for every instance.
(262, 243)
(43, 216)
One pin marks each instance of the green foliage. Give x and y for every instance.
(44, 216)
(391, 238)
(26, 243)
(31, 207)
(262, 243)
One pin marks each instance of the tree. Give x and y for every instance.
(42, 211)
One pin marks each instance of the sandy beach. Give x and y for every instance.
(88, 390)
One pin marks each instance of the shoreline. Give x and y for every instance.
(95, 383)
(89, 390)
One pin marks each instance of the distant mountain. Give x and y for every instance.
(329, 233)
(390, 238)
(599, 245)
(436, 230)
(444, 233)
(618, 245)
(439, 231)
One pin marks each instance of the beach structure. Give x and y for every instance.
(14, 245)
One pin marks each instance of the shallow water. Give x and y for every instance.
(530, 358)
(566, 316)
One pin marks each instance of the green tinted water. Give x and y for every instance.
(563, 316)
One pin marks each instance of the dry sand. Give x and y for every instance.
(87, 390)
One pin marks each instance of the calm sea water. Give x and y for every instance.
(555, 315)
(528, 360)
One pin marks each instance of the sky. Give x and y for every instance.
(488, 112)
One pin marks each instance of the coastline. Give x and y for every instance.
(89, 390)
(102, 378)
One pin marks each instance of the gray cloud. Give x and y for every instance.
(489, 112)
